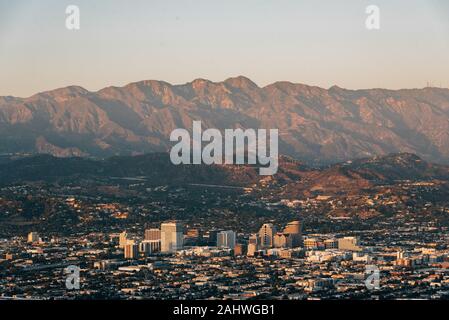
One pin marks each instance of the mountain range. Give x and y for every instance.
(316, 125)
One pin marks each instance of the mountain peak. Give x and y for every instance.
(200, 82)
(148, 84)
(66, 91)
(336, 88)
(241, 82)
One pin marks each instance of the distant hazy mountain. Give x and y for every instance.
(316, 125)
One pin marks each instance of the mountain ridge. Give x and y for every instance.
(293, 179)
(316, 125)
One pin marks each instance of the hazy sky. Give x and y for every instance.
(314, 42)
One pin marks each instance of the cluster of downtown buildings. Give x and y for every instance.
(170, 239)
(268, 241)
(175, 262)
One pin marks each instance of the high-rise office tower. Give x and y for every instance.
(293, 227)
(252, 248)
(239, 249)
(123, 239)
(281, 240)
(148, 247)
(171, 237)
(153, 234)
(213, 237)
(155, 246)
(131, 251)
(226, 239)
(294, 232)
(33, 237)
(253, 239)
(266, 234)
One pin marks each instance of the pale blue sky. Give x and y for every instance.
(314, 42)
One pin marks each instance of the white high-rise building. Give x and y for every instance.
(266, 234)
(171, 237)
(226, 239)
